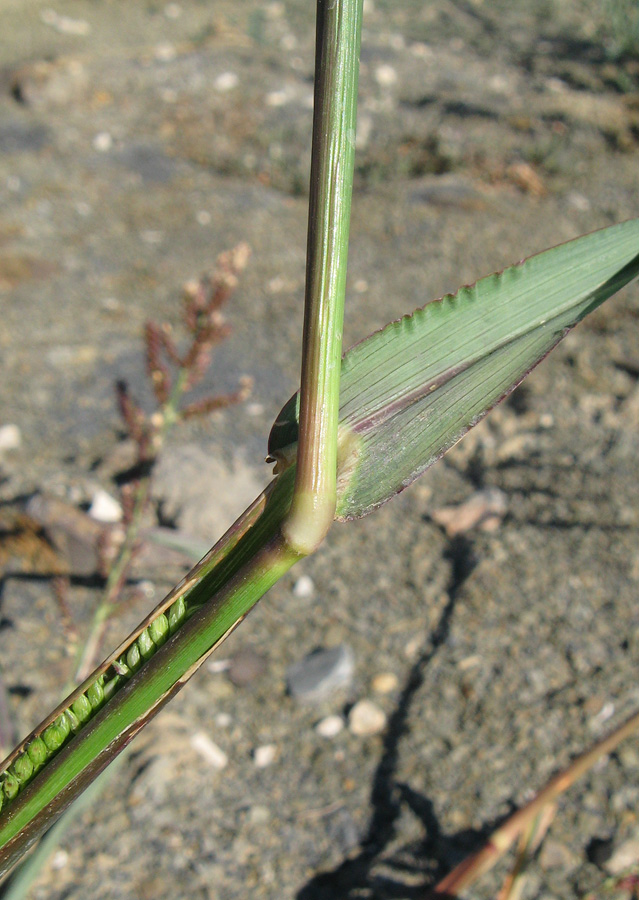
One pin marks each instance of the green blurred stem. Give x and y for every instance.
(117, 576)
(88, 653)
(333, 151)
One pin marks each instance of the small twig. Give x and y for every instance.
(60, 587)
(211, 404)
(529, 842)
(502, 839)
(157, 370)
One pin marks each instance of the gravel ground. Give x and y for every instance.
(137, 141)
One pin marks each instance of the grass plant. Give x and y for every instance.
(360, 430)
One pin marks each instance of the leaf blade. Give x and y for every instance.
(412, 390)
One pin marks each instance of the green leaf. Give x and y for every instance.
(412, 390)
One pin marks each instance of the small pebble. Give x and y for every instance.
(625, 856)
(303, 587)
(246, 666)
(330, 726)
(226, 82)
(555, 855)
(102, 142)
(263, 756)
(606, 712)
(385, 75)
(65, 24)
(485, 508)
(366, 718)
(259, 815)
(413, 646)
(320, 672)
(223, 720)
(578, 201)
(105, 508)
(385, 683)
(277, 98)
(276, 284)
(165, 52)
(208, 750)
(10, 437)
(215, 666)
(59, 860)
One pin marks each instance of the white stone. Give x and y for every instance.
(277, 98)
(303, 587)
(413, 646)
(330, 726)
(578, 201)
(366, 718)
(226, 82)
(165, 52)
(208, 750)
(215, 666)
(102, 142)
(275, 285)
(105, 508)
(385, 683)
(263, 756)
(10, 437)
(385, 76)
(624, 857)
(59, 860)
(65, 24)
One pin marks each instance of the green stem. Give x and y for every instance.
(334, 120)
(221, 599)
(88, 653)
(117, 575)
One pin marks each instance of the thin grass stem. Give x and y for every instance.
(333, 152)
